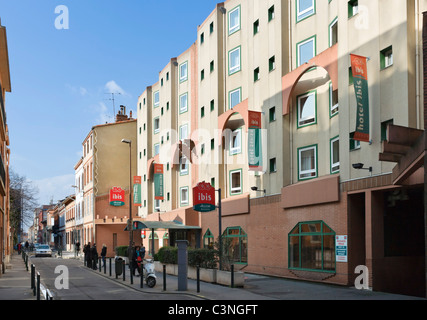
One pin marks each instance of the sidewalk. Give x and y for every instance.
(257, 287)
(15, 283)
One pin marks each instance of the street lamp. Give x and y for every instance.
(129, 142)
(359, 166)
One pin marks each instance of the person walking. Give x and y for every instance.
(94, 256)
(88, 256)
(103, 254)
(77, 248)
(142, 252)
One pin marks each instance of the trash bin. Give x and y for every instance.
(119, 266)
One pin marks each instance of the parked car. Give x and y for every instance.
(43, 250)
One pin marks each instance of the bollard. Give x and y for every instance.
(99, 267)
(38, 286)
(198, 279)
(33, 273)
(232, 275)
(124, 270)
(164, 277)
(110, 266)
(142, 276)
(105, 266)
(26, 261)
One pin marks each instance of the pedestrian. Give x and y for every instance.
(77, 247)
(26, 245)
(94, 256)
(88, 256)
(133, 263)
(142, 252)
(103, 254)
(19, 248)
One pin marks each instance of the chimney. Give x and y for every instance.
(121, 115)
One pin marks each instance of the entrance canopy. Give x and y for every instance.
(138, 225)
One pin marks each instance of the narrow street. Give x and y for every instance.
(84, 284)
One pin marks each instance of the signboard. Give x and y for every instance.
(158, 181)
(204, 197)
(137, 191)
(117, 197)
(341, 248)
(360, 81)
(254, 141)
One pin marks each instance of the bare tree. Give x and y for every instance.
(23, 202)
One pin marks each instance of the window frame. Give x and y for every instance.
(314, 118)
(181, 108)
(156, 104)
(331, 25)
(185, 171)
(181, 201)
(303, 42)
(331, 154)
(300, 16)
(313, 170)
(235, 150)
(230, 93)
(238, 190)
(237, 68)
(234, 29)
(156, 130)
(183, 78)
(333, 108)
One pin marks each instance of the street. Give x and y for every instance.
(85, 284)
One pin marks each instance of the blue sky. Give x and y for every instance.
(60, 77)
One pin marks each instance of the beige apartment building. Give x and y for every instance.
(310, 211)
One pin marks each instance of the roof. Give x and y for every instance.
(137, 225)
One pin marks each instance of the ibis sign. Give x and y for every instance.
(204, 197)
(117, 197)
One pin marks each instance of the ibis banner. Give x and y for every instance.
(204, 197)
(254, 141)
(360, 81)
(137, 191)
(158, 181)
(117, 197)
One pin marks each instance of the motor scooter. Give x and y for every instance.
(149, 274)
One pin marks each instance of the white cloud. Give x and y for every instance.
(113, 87)
(78, 90)
(54, 188)
(103, 116)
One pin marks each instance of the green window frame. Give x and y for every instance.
(353, 8)
(386, 57)
(311, 247)
(304, 101)
(181, 200)
(272, 63)
(234, 20)
(234, 97)
(307, 162)
(236, 142)
(212, 66)
(273, 165)
(333, 101)
(156, 98)
(184, 166)
(183, 103)
(271, 13)
(208, 240)
(156, 125)
(234, 60)
(304, 13)
(272, 114)
(256, 74)
(256, 26)
(235, 189)
(334, 146)
(384, 125)
(354, 144)
(333, 32)
(236, 244)
(301, 54)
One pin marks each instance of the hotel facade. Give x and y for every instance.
(306, 208)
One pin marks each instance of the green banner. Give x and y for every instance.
(158, 181)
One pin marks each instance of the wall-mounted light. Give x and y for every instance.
(359, 166)
(256, 189)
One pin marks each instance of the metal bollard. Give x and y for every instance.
(33, 273)
(26, 261)
(124, 270)
(105, 266)
(232, 275)
(99, 267)
(164, 277)
(38, 286)
(198, 279)
(141, 285)
(110, 266)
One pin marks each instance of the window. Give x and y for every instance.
(256, 74)
(333, 101)
(271, 13)
(213, 182)
(183, 132)
(306, 50)
(183, 103)
(350, 76)
(236, 141)
(156, 149)
(272, 114)
(161, 82)
(211, 27)
(208, 240)
(235, 97)
(156, 125)
(234, 20)
(312, 247)
(234, 61)
(183, 71)
(354, 144)
(212, 105)
(202, 38)
(202, 112)
(167, 105)
(273, 167)
(212, 144)
(333, 32)
(384, 125)
(184, 195)
(386, 57)
(212, 66)
(156, 205)
(167, 76)
(237, 240)
(353, 8)
(305, 8)
(183, 166)
(256, 27)
(156, 99)
(202, 149)
(307, 162)
(306, 106)
(236, 182)
(202, 74)
(335, 155)
(272, 63)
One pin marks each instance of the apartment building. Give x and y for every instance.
(307, 209)
(5, 86)
(104, 166)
